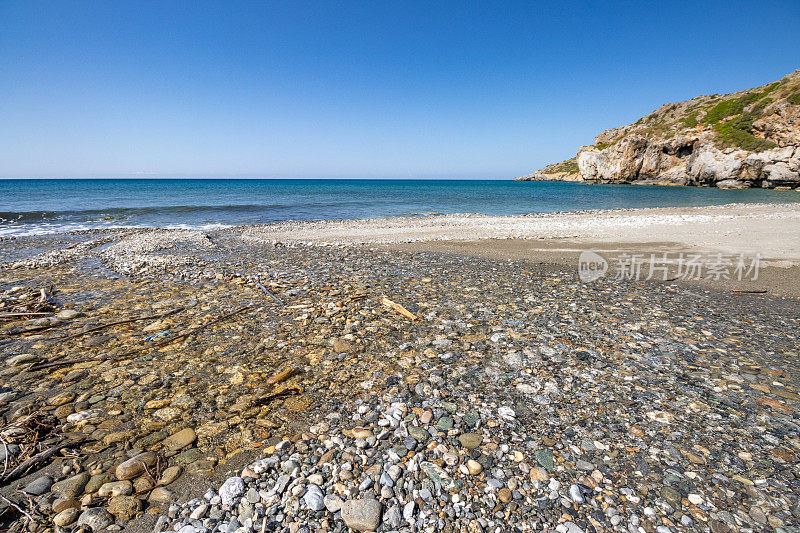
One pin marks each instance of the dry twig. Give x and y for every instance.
(185, 333)
(749, 291)
(170, 340)
(267, 292)
(22, 469)
(285, 393)
(117, 323)
(18, 508)
(5, 456)
(386, 302)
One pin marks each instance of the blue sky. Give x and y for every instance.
(357, 89)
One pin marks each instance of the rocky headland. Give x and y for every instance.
(746, 139)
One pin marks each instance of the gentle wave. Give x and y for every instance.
(121, 213)
(29, 230)
(127, 212)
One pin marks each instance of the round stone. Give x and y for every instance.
(470, 441)
(161, 495)
(314, 498)
(332, 503)
(576, 493)
(169, 475)
(66, 517)
(63, 504)
(362, 515)
(96, 518)
(71, 487)
(444, 424)
(124, 507)
(539, 474)
(181, 439)
(231, 491)
(474, 467)
(116, 488)
(39, 486)
(419, 434)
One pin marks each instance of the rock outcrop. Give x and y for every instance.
(564, 171)
(689, 161)
(741, 140)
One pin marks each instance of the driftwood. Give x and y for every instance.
(23, 314)
(285, 393)
(95, 328)
(53, 363)
(117, 323)
(180, 336)
(183, 335)
(199, 329)
(386, 302)
(749, 291)
(22, 469)
(268, 292)
(30, 330)
(282, 376)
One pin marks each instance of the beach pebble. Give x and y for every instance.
(362, 514)
(135, 466)
(39, 486)
(231, 491)
(314, 498)
(96, 518)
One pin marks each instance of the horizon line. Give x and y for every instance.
(240, 178)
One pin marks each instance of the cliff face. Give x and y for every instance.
(745, 139)
(689, 161)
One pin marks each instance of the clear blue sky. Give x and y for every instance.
(358, 89)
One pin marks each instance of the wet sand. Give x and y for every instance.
(778, 275)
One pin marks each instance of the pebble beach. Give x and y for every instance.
(251, 379)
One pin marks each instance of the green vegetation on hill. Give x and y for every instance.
(569, 166)
(736, 133)
(725, 108)
(690, 120)
(735, 106)
(730, 117)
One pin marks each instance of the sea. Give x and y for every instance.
(41, 206)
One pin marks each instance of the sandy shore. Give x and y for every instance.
(771, 231)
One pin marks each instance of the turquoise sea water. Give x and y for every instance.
(44, 206)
